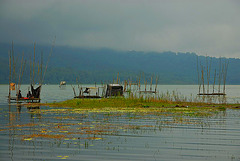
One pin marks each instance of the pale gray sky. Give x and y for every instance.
(207, 27)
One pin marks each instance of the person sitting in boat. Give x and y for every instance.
(19, 94)
(29, 95)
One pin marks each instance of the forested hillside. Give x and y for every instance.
(101, 65)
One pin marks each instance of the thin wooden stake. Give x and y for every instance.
(33, 81)
(156, 84)
(214, 80)
(10, 73)
(117, 77)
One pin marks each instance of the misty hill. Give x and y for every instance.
(101, 65)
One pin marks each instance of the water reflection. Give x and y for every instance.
(222, 99)
(34, 111)
(45, 133)
(19, 107)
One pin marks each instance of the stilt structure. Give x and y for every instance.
(33, 94)
(205, 79)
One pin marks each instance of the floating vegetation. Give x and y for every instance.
(48, 136)
(24, 125)
(86, 122)
(149, 106)
(115, 124)
(96, 119)
(63, 157)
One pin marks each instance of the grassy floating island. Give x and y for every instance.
(100, 114)
(143, 105)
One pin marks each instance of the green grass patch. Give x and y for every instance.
(141, 105)
(111, 102)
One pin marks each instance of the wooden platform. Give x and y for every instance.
(147, 92)
(32, 100)
(87, 97)
(212, 94)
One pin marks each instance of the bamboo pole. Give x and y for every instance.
(145, 82)
(13, 73)
(41, 72)
(207, 75)
(30, 69)
(214, 80)
(220, 75)
(73, 90)
(33, 75)
(203, 80)
(225, 75)
(38, 73)
(117, 77)
(48, 59)
(125, 83)
(22, 74)
(20, 71)
(97, 92)
(151, 85)
(156, 84)
(78, 86)
(139, 83)
(14, 64)
(10, 73)
(130, 84)
(199, 86)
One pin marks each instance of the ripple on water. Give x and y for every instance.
(35, 135)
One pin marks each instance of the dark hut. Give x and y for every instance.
(114, 90)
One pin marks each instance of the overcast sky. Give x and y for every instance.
(206, 27)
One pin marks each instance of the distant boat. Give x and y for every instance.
(63, 83)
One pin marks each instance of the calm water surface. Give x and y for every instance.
(46, 133)
(52, 93)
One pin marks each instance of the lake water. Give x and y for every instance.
(52, 93)
(50, 133)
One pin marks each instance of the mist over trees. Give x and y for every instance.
(102, 65)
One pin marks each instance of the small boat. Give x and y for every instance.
(15, 80)
(63, 83)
